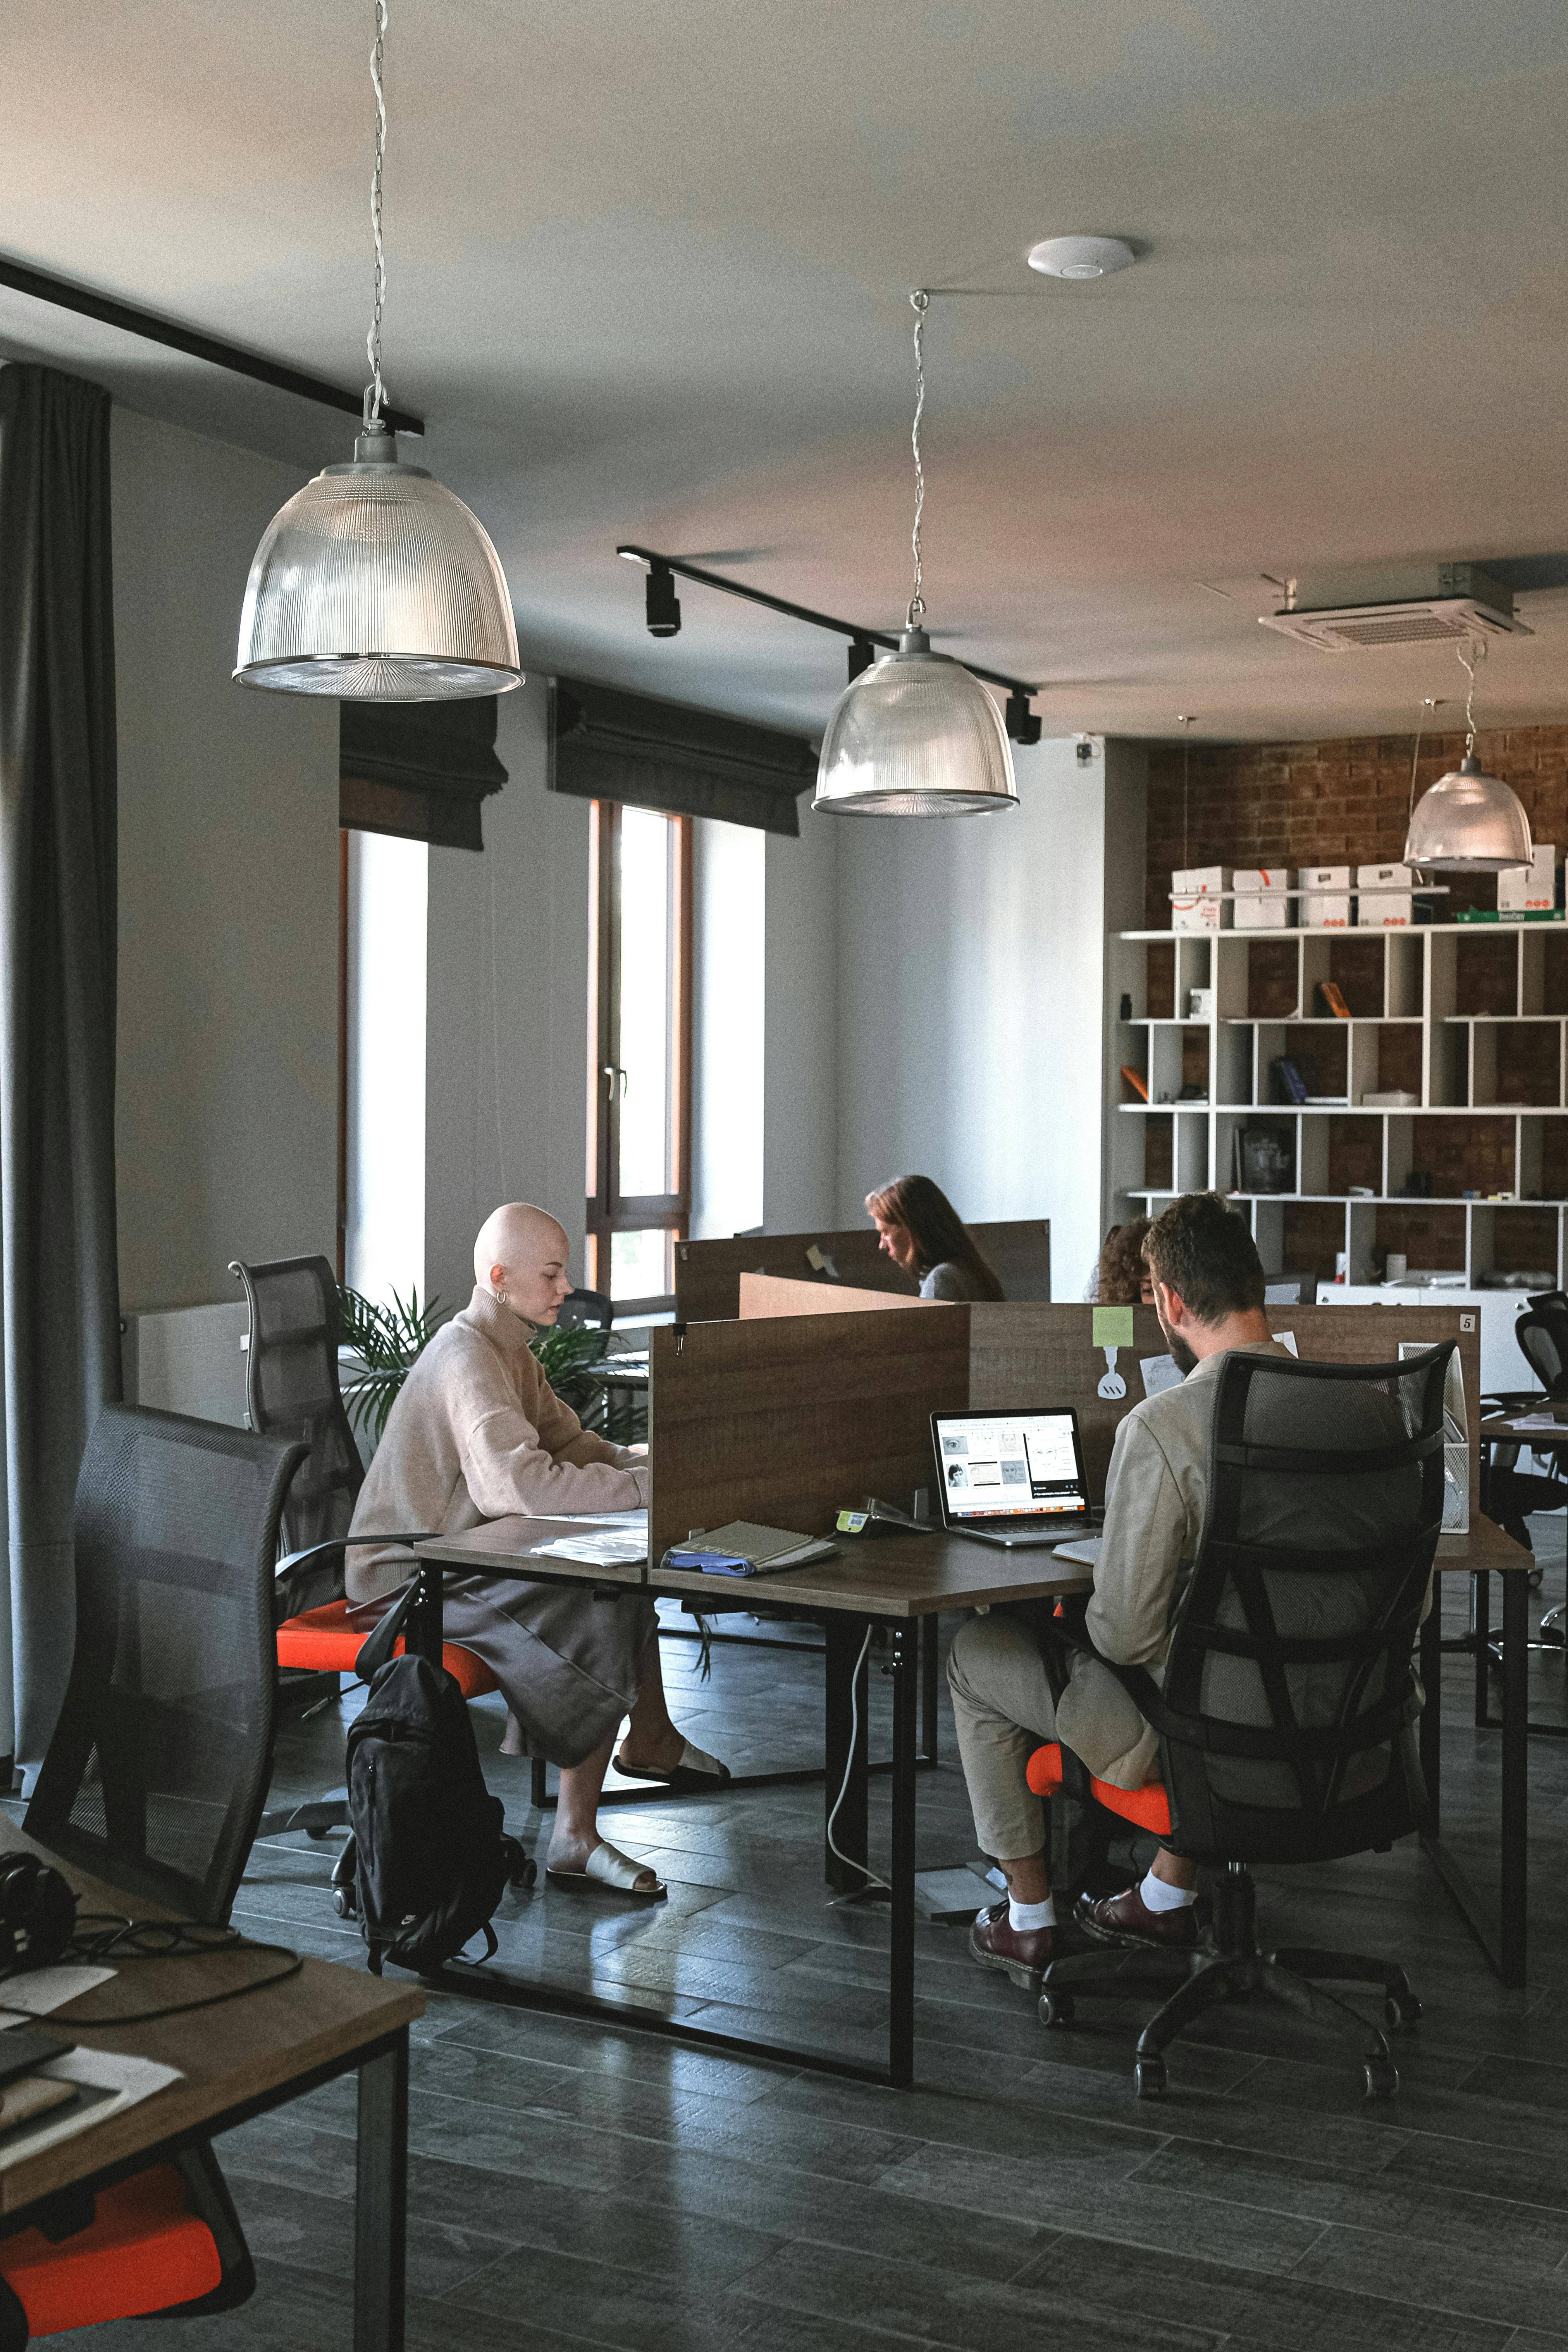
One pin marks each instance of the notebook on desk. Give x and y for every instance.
(744, 1548)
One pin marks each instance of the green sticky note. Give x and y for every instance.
(1113, 1326)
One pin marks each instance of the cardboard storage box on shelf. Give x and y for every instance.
(1383, 900)
(1530, 890)
(1264, 900)
(1196, 903)
(1326, 898)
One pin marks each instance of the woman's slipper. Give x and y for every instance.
(608, 1870)
(696, 1769)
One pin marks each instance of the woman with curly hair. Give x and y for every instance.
(1120, 1278)
(919, 1229)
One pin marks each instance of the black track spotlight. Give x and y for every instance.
(663, 606)
(1022, 724)
(861, 656)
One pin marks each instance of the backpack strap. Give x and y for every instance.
(378, 1645)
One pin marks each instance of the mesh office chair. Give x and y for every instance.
(1509, 1495)
(154, 1780)
(291, 1388)
(591, 1307)
(1286, 1714)
(292, 1391)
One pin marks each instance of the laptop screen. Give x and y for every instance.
(1009, 1465)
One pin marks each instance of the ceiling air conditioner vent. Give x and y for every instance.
(1462, 603)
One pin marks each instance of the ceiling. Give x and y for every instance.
(649, 270)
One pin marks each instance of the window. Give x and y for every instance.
(639, 1042)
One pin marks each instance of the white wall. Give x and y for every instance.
(383, 1239)
(800, 1043)
(507, 1010)
(227, 1097)
(970, 955)
(729, 1025)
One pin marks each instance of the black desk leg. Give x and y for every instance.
(930, 1646)
(845, 1636)
(381, 2200)
(423, 1632)
(1480, 1632)
(1515, 1772)
(1431, 1733)
(901, 1943)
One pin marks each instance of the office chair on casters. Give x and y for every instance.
(591, 1307)
(1287, 1715)
(1511, 1496)
(292, 1391)
(154, 1780)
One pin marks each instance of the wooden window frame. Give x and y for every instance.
(609, 1210)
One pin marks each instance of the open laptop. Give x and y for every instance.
(1012, 1479)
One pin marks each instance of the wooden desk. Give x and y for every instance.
(892, 1581)
(1486, 1551)
(239, 2060)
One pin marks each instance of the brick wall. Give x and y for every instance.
(1342, 804)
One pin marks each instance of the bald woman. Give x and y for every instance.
(476, 1432)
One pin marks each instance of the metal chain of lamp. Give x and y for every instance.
(1469, 821)
(914, 734)
(374, 583)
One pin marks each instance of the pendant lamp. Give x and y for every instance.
(1469, 822)
(375, 584)
(915, 735)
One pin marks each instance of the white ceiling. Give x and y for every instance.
(649, 276)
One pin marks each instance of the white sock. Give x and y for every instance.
(1025, 1918)
(1159, 1895)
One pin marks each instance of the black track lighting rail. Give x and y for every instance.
(664, 621)
(65, 296)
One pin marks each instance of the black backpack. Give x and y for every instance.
(428, 1863)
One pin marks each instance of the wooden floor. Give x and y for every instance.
(575, 2186)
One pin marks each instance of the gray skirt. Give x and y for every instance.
(569, 1664)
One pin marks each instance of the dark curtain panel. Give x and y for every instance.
(610, 746)
(59, 1310)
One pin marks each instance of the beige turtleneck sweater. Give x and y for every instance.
(476, 1432)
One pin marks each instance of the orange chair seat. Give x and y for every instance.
(322, 1641)
(1149, 1807)
(143, 2251)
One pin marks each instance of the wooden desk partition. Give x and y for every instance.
(764, 1294)
(1045, 1355)
(1033, 1355)
(785, 1419)
(1019, 1255)
(707, 1274)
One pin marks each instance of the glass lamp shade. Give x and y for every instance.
(1469, 822)
(375, 584)
(915, 735)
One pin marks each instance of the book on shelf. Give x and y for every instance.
(1334, 997)
(1291, 1079)
(1136, 1080)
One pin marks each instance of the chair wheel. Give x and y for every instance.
(1380, 2078)
(1148, 2077)
(1055, 2009)
(521, 1870)
(343, 1902)
(317, 1834)
(1399, 2011)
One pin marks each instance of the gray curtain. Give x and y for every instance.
(60, 1306)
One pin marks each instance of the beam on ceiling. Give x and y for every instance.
(65, 295)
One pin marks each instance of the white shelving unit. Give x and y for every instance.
(1418, 1038)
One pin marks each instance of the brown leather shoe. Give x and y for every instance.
(1127, 1919)
(1023, 1953)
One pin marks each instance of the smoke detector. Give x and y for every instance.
(1420, 605)
(1081, 257)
